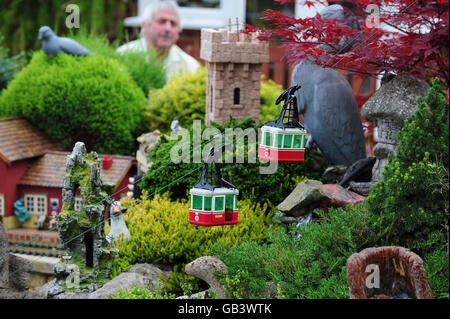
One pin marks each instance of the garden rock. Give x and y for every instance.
(204, 268)
(336, 196)
(4, 259)
(152, 274)
(14, 271)
(126, 280)
(19, 272)
(401, 274)
(303, 199)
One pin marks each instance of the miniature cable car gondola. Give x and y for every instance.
(284, 140)
(213, 199)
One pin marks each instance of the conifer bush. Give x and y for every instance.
(412, 200)
(165, 175)
(91, 99)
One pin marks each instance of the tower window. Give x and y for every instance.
(237, 96)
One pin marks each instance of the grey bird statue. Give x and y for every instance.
(329, 108)
(52, 44)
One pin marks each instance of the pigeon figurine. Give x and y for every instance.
(53, 44)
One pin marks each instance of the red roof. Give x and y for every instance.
(50, 170)
(19, 139)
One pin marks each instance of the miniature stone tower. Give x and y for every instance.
(233, 62)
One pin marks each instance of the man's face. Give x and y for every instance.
(163, 31)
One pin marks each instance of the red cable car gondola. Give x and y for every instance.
(284, 140)
(213, 199)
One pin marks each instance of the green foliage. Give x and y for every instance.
(408, 208)
(313, 266)
(270, 91)
(21, 20)
(437, 269)
(141, 293)
(89, 99)
(169, 176)
(9, 66)
(412, 198)
(184, 96)
(145, 67)
(161, 233)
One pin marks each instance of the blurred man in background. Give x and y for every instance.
(160, 31)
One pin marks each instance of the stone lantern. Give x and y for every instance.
(387, 109)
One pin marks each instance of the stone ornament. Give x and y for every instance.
(387, 273)
(204, 268)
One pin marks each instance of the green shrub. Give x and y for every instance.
(141, 293)
(184, 96)
(168, 176)
(313, 266)
(412, 199)
(89, 99)
(146, 69)
(9, 66)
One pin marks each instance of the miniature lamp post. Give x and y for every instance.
(283, 140)
(213, 199)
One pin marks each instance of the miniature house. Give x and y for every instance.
(233, 61)
(32, 166)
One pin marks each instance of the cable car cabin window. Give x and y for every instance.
(229, 203)
(298, 141)
(288, 141)
(280, 140)
(235, 202)
(208, 203)
(268, 139)
(197, 202)
(219, 203)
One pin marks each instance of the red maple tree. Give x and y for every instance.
(402, 36)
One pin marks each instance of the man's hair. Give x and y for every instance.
(157, 6)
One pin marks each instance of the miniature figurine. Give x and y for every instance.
(20, 210)
(53, 44)
(118, 226)
(41, 220)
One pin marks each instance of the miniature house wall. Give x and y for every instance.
(233, 61)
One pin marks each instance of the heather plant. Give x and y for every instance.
(161, 233)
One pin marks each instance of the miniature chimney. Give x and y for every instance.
(233, 62)
(107, 162)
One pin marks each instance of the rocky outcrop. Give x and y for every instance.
(303, 199)
(82, 232)
(140, 275)
(311, 195)
(14, 271)
(387, 273)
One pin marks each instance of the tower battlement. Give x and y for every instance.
(223, 46)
